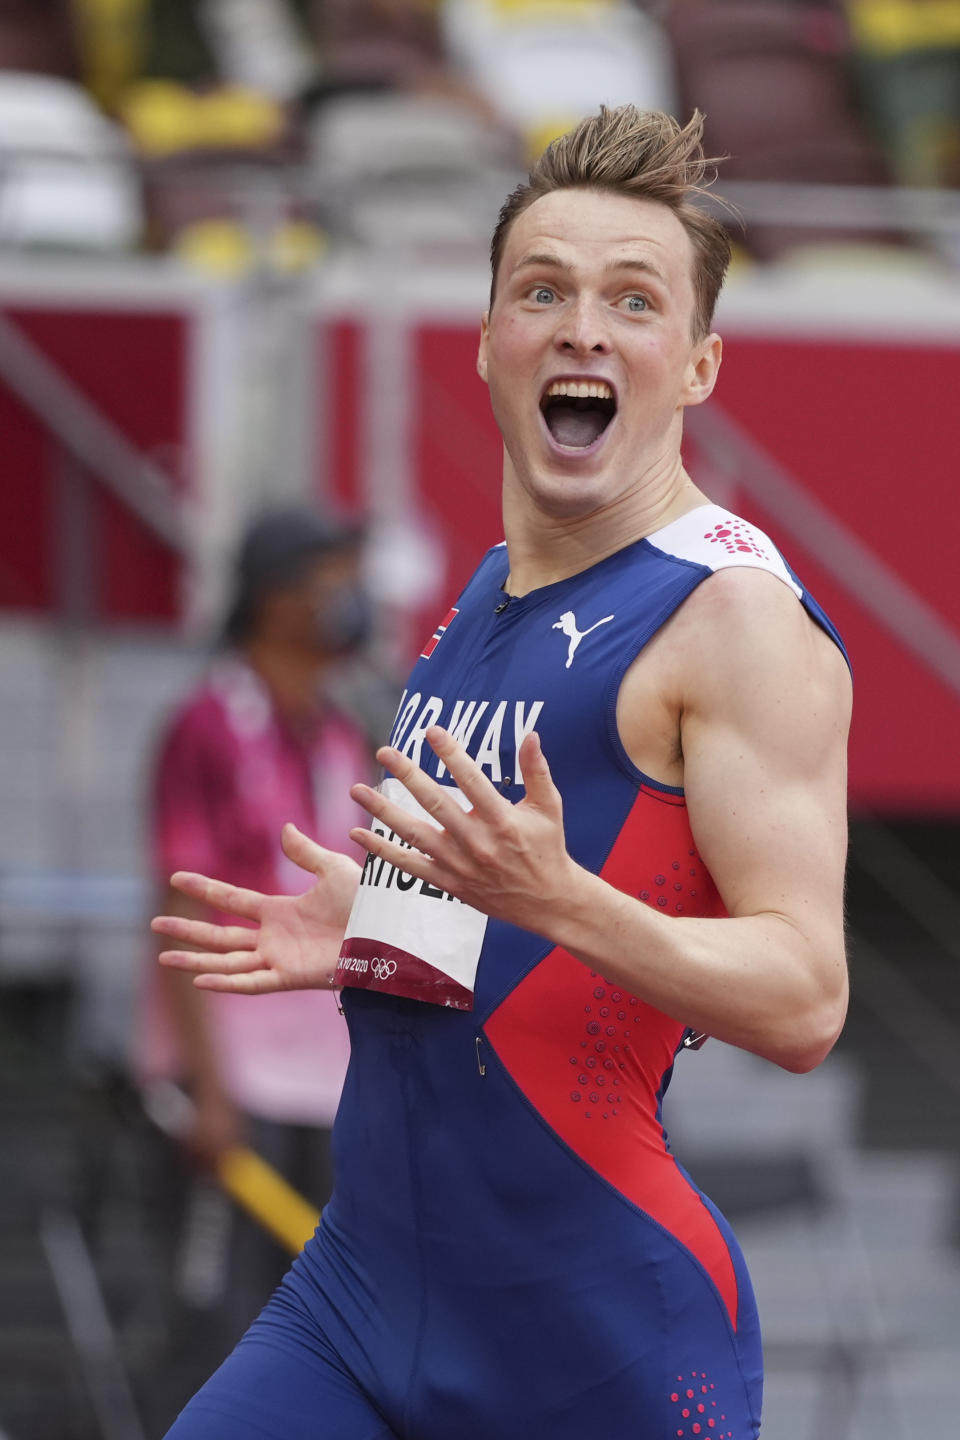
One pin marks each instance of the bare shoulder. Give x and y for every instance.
(746, 616)
(743, 639)
(740, 651)
(765, 699)
(755, 668)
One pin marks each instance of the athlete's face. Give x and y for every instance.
(594, 290)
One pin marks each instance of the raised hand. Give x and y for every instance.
(509, 861)
(291, 942)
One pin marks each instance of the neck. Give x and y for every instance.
(292, 676)
(545, 547)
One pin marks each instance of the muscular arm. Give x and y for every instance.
(764, 701)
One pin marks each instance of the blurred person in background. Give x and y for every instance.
(257, 744)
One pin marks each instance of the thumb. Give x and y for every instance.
(537, 780)
(302, 850)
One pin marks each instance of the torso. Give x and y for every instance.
(602, 664)
(504, 1183)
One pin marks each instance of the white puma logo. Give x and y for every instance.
(568, 624)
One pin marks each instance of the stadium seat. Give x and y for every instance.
(67, 178)
(413, 170)
(545, 65)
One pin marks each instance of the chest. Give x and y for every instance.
(555, 663)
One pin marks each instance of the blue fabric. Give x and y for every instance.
(472, 1277)
(280, 1383)
(485, 1283)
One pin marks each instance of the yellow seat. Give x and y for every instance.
(164, 118)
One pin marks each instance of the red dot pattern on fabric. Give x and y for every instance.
(697, 1427)
(738, 538)
(671, 892)
(553, 1018)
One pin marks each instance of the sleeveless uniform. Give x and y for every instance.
(511, 1251)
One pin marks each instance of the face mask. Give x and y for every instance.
(344, 621)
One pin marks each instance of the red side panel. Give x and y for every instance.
(591, 1057)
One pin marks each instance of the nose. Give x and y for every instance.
(583, 329)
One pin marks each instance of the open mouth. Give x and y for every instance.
(578, 411)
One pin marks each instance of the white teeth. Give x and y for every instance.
(582, 390)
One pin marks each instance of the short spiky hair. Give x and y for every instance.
(646, 155)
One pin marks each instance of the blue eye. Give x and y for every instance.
(543, 295)
(636, 303)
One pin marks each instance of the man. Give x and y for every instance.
(256, 743)
(511, 1249)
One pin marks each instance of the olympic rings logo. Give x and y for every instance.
(383, 969)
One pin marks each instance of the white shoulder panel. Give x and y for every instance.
(711, 536)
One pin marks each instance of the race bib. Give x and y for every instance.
(406, 936)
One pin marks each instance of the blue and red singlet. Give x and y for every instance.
(511, 1251)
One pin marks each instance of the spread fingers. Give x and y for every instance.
(218, 894)
(203, 934)
(202, 962)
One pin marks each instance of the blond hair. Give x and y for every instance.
(644, 154)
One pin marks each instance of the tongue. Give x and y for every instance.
(579, 428)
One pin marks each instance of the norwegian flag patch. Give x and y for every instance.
(438, 634)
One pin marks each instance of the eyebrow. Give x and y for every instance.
(544, 259)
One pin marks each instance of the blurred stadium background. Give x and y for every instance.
(242, 257)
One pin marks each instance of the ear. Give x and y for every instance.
(702, 371)
(484, 343)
